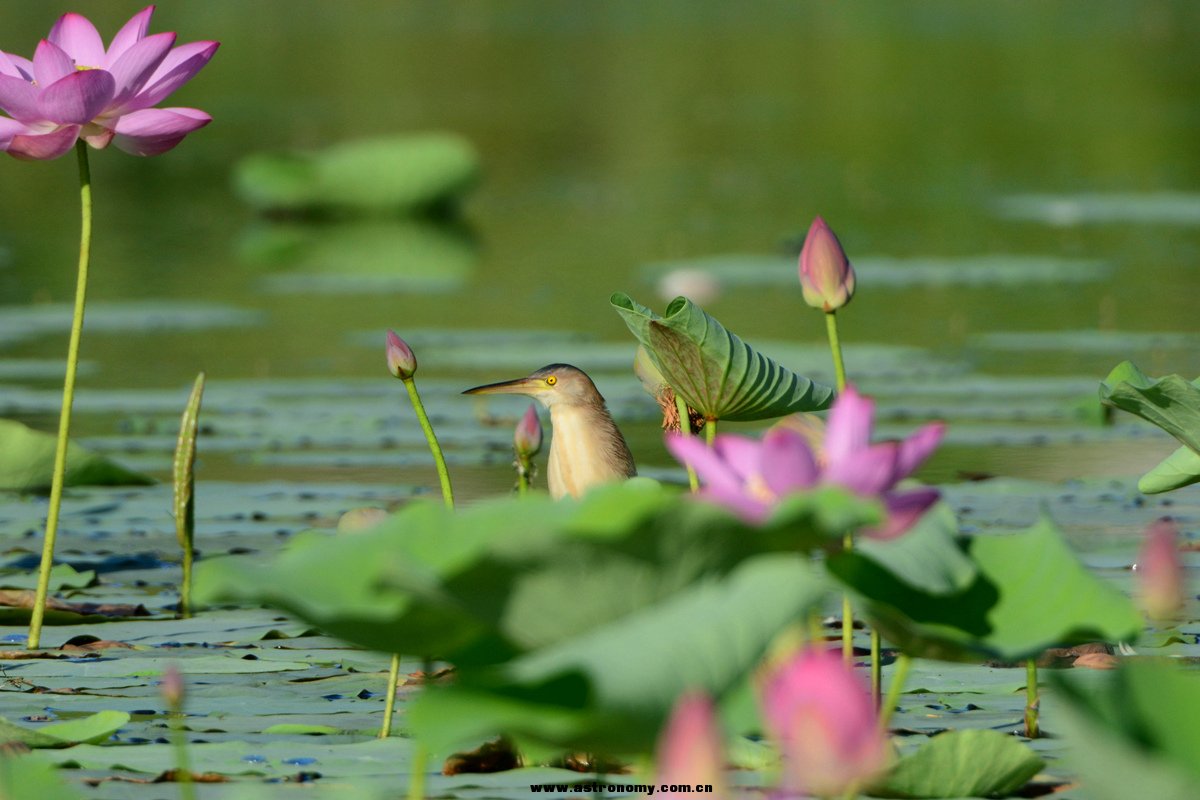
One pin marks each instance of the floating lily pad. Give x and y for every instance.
(1065, 210)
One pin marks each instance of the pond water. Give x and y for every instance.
(1010, 181)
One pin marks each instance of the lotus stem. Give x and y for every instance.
(903, 662)
(438, 459)
(685, 429)
(68, 399)
(173, 691)
(876, 668)
(389, 706)
(1031, 699)
(835, 347)
(522, 476)
(184, 474)
(847, 613)
(416, 778)
(710, 431)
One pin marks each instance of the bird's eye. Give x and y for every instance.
(551, 380)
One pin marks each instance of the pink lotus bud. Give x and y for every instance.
(689, 748)
(528, 437)
(1161, 585)
(826, 277)
(172, 687)
(824, 723)
(401, 361)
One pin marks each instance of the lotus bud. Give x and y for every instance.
(401, 361)
(1161, 584)
(826, 277)
(824, 723)
(172, 687)
(527, 439)
(690, 747)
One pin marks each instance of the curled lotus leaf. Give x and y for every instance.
(716, 372)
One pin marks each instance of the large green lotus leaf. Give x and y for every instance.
(927, 556)
(1172, 403)
(476, 584)
(1181, 468)
(1031, 593)
(27, 462)
(966, 763)
(610, 688)
(1136, 734)
(717, 373)
(28, 776)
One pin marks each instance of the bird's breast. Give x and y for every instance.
(578, 456)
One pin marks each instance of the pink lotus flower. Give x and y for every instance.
(527, 438)
(826, 277)
(74, 88)
(1162, 588)
(824, 723)
(401, 360)
(751, 476)
(690, 748)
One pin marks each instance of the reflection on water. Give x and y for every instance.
(937, 138)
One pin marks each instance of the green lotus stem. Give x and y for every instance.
(64, 419)
(435, 448)
(184, 475)
(174, 694)
(685, 428)
(847, 612)
(876, 668)
(1031, 699)
(416, 778)
(710, 431)
(523, 467)
(903, 662)
(839, 366)
(389, 706)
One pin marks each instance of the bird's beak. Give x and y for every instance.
(527, 386)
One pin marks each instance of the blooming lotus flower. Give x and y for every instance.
(690, 749)
(527, 439)
(75, 88)
(1161, 583)
(401, 361)
(824, 723)
(750, 476)
(826, 277)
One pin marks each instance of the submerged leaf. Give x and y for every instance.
(717, 373)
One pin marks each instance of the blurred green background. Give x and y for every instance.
(619, 134)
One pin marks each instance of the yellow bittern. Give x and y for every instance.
(586, 447)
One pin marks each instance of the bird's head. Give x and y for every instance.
(556, 384)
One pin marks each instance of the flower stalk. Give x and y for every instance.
(68, 399)
(1032, 701)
